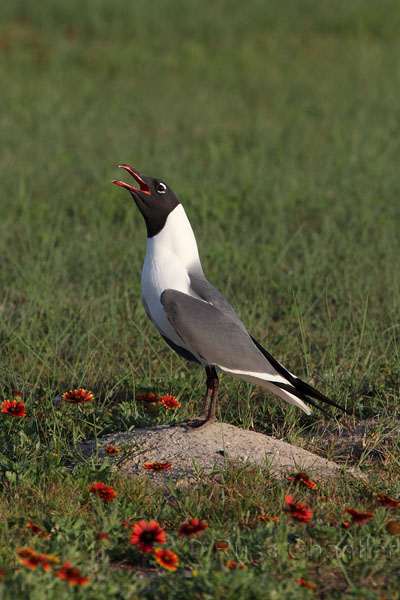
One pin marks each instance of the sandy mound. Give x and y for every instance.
(207, 450)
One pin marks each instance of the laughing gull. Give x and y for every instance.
(192, 316)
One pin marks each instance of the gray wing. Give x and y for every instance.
(205, 290)
(218, 338)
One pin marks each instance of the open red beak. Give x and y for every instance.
(143, 185)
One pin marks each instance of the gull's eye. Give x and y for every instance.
(161, 188)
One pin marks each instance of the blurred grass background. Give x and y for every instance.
(277, 127)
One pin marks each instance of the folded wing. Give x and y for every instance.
(220, 339)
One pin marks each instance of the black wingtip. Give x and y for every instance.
(303, 389)
(308, 390)
(292, 390)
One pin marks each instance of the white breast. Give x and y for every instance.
(169, 255)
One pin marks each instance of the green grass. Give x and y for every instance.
(277, 126)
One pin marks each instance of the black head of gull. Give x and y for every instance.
(153, 197)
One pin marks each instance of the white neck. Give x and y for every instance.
(176, 237)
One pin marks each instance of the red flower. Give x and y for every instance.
(71, 575)
(169, 401)
(27, 557)
(303, 479)
(387, 500)
(393, 527)
(144, 536)
(47, 560)
(32, 562)
(359, 517)
(30, 559)
(104, 491)
(158, 466)
(17, 394)
(13, 408)
(192, 527)
(234, 565)
(150, 397)
(345, 524)
(101, 536)
(2, 573)
(221, 546)
(77, 396)
(166, 559)
(37, 530)
(305, 583)
(25, 552)
(268, 518)
(110, 449)
(299, 511)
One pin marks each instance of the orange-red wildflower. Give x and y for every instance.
(48, 560)
(37, 530)
(305, 583)
(263, 518)
(77, 396)
(25, 552)
(2, 573)
(393, 527)
(30, 559)
(158, 466)
(150, 397)
(303, 479)
(221, 546)
(144, 535)
(32, 562)
(192, 527)
(387, 500)
(104, 491)
(110, 449)
(13, 408)
(101, 536)
(357, 516)
(25, 556)
(17, 394)
(235, 565)
(71, 575)
(299, 511)
(167, 559)
(345, 524)
(169, 401)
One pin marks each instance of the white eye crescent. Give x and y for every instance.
(161, 188)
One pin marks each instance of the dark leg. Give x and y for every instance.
(214, 393)
(207, 415)
(209, 383)
(208, 412)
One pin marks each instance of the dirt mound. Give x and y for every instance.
(207, 450)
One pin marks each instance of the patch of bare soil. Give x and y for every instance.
(350, 441)
(206, 451)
